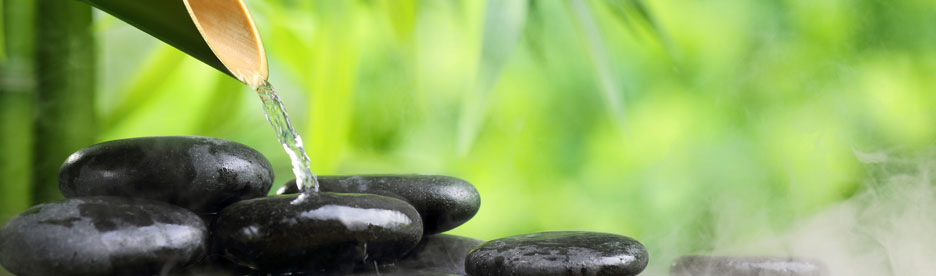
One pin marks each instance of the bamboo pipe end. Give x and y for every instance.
(230, 32)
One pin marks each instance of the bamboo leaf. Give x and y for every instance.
(503, 25)
(636, 16)
(599, 58)
(534, 30)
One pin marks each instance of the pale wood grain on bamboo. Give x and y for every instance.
(229, 31)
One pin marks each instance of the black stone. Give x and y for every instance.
(214, 265)
(434, 255)
(443, 202)
(199, 173)
(322, 233)
(558, 253)
(101, 236)
(743, 266)
(405, 273)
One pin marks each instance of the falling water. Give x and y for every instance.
(292, 143)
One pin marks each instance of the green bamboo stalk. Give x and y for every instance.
(17, 104)
(65, 67)
(3, 23)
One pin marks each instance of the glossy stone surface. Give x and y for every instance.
(558, 253)
(323, 233)
(214, 265)
(101, 236)
(436, 255)
(199, 173)
(744, 266)
(405, 273)
(443, 202)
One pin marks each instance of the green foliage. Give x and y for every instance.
(687, 125)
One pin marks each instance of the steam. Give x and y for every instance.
(887, 228)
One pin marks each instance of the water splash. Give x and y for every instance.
(292, 142)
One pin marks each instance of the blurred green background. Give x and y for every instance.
(687, 125)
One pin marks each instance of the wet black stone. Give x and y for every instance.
(405, 273)
(434, 255)
(558, 253)
(215, 266)
(101, 236)
(443, 202)
(743, 266)
(199, 173)
(325, 233)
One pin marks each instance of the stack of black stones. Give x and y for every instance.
(199, 206)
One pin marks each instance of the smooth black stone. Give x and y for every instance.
(443, 202)
(744, 266)
(558, 253)
(436, 254)
(214, 265)
(199, 173)
(376, 273)
(324, 233)
(101, 236)
(405, 273)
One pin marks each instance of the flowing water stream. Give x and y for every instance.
(292, 142)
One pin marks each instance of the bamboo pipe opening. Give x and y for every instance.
(230, 32)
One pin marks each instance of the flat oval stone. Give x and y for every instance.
(322, 233)
(214, 265)
(558, 253)
(443, 202)
(199, 173)
(748, 265)
(101, 236)
(405, 273)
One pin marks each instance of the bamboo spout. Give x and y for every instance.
(220, 33)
